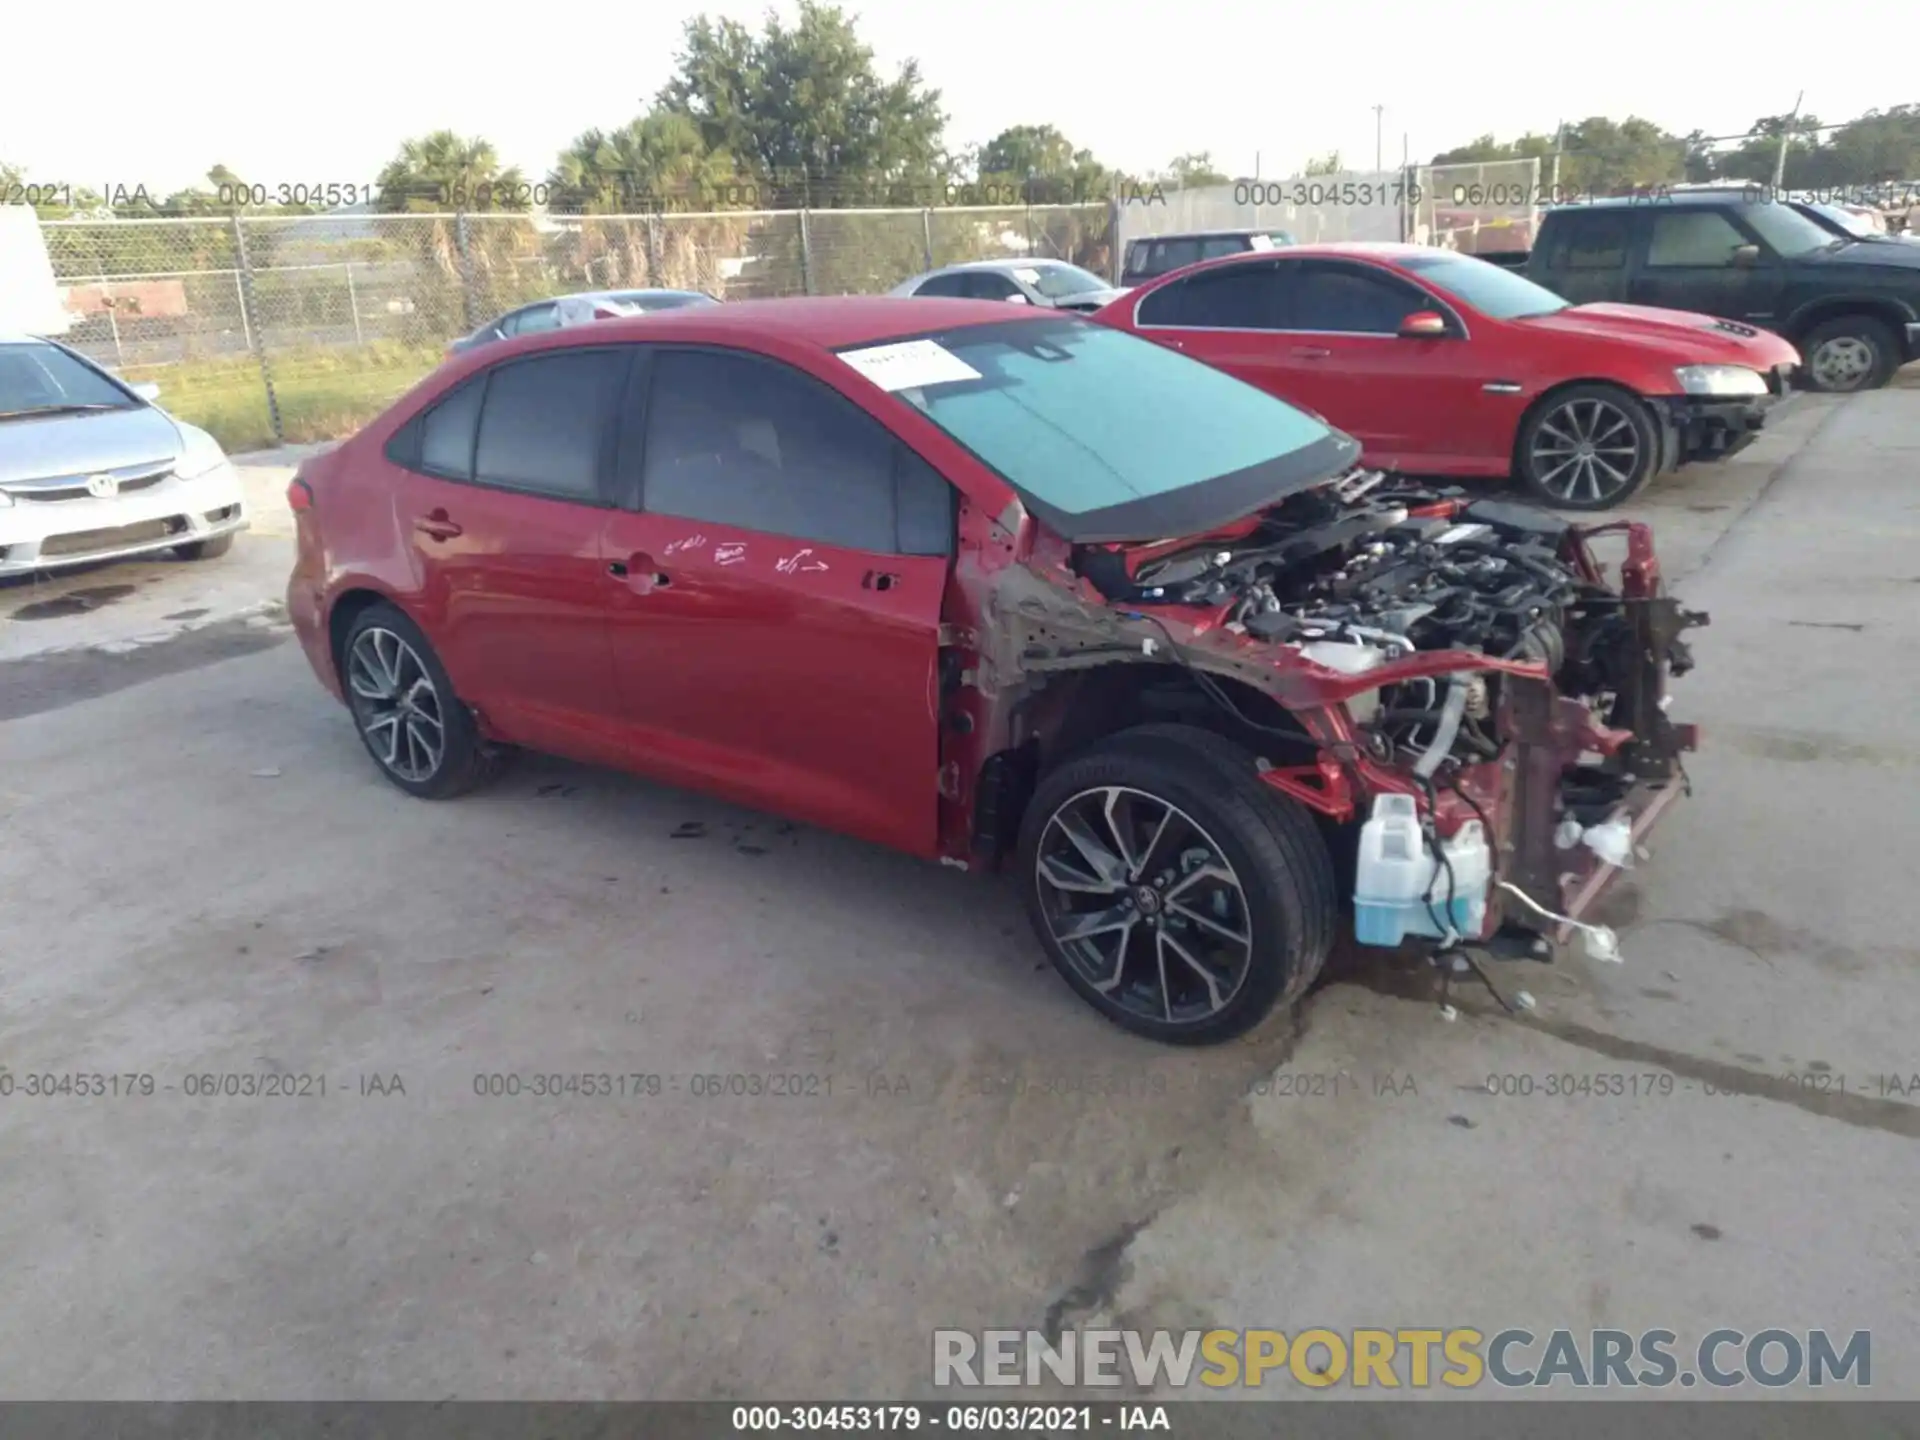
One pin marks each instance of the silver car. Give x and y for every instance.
(548, 314)
(91, 469)
(1051, 284)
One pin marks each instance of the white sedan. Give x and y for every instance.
(91, 469)
(1050, 284)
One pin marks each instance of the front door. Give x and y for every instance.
(1694, 262)
(503, 504)
(776, 598)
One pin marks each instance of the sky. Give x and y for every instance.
(282, 94)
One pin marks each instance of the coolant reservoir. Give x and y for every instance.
(1401, 888)
(1349, 659)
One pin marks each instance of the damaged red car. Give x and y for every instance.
(1006, 590)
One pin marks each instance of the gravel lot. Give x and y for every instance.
(200, 873)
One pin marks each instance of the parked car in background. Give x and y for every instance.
(992, 584)
(561, 310)
(91, 469)
(1443, 364)
(1152, 256)
(1851, 307)
(1048, 284)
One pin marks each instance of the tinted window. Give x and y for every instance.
(955, 285)
(1350, 301)
(1222, 245)
(1693, 237)
(1234, 297)
(990, 285)
(1172, 254)
(544, 426)
(1596, 240)
(446, 432)
(756, 444)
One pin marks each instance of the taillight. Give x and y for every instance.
(299, 495)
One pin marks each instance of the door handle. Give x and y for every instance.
(438, 526)
(1309, 352)
(639, 573)
(879, 580)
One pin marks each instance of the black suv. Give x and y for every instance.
(1152, 256)
(1851, 307)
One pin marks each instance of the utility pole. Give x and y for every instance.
(1559, 145)
(1379, 111)
(1780, 160)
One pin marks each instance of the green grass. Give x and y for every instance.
(324, 394)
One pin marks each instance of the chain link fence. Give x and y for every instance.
(1477, 209)
(275, 329)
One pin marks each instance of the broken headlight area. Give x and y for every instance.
(1479, 687)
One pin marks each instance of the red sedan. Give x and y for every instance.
(1442, 364)
(997, 587)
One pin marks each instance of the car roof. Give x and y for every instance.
(1217, 234)
(1667, 194)
(1002, 264)
(826, 322)
(603, 295)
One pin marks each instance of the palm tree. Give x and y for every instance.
(479, 261)
(442, 172)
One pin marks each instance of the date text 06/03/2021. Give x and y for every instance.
(964, 1419)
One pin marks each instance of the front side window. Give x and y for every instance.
(953, 284)
(755, 444)
(1107, 436)
(533, 321)
(1694, 239)
(36, 378)
(1339, 299)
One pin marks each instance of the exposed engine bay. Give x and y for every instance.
(1355, 575)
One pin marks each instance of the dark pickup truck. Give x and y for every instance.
(1851, 307)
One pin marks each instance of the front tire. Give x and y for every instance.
(1589, 447)
(1849, 354)
(420, 734)
(1176, 893)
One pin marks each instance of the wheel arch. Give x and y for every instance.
(347, 606)
(1553, 392)
(1883, 308)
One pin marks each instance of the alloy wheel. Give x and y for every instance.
(1586, 450)
(395, 702)
(1842, 363)
(1144, 904)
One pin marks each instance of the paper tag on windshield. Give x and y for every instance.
(909, 365)
(1029, 277)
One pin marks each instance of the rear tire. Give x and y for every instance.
(211, 549)
(1174, 891)
(1588, 447)
(1849, 354)
(420, 734)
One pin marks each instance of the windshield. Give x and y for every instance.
(1107, 436)
(1061, 282)
(1786, 230)
(36, 377)
(1846, 220)
(1496, 293)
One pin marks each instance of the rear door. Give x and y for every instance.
(505, 488)
(777, 576)
(1586, 256)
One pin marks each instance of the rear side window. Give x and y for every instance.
(990, 285)
(1172, 254)
(1224, 245)
(1596, 240)
(546, 422)
(756, 444)
(1234, 297)
(446, 432)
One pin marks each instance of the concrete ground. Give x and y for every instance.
(201, 875)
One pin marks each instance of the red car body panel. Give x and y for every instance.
(860, 692)
(1424, 405)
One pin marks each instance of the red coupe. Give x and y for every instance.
(991, 586)
(1442, 364)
